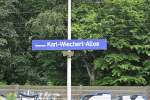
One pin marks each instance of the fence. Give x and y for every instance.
(59, 92)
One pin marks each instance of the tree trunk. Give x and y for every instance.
(91, 72)
(92, 77)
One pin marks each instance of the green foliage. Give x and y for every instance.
(48, 23)
(115, 58)
(130, 80)
(2, 83)
(11, 96)
(7, 34)
(100, 63)
(124, 23)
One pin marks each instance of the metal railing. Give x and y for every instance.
(59, 92)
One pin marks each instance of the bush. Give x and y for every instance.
(11, 96)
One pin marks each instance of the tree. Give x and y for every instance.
(125, 24)
(122, 22)
(7, 35)
(49, 24)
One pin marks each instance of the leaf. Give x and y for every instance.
(131, 80)
(100, 64)
(119, 43)
(3, 42)
(114, 58)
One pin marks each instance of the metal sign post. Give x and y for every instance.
(69, 57)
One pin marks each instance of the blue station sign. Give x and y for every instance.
(89, 44)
